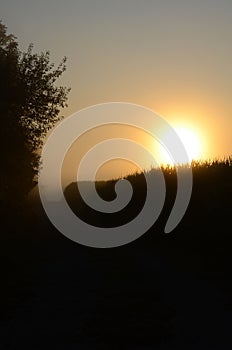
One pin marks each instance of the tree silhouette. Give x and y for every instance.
(30, 102)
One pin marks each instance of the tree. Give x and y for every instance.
(30, 103)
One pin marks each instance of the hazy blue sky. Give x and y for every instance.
(174, 56)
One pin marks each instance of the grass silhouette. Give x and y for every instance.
(202, 240)
(211, 195)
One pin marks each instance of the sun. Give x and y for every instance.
(192, 144)
(190, 141)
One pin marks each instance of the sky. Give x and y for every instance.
(172, 56)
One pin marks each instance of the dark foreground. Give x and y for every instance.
(172, 292)
(159, 292)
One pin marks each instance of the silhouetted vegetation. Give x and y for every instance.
(30, 105)
(205, 230)
(212, 186)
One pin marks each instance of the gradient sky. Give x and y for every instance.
(173, 56)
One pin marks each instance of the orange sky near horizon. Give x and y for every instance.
(172, 56)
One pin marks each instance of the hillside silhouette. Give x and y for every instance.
(209, 205)
(166, 291)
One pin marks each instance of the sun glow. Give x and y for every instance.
(191, 142)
